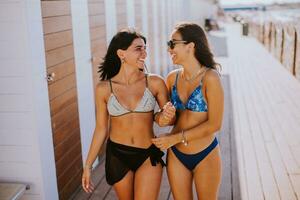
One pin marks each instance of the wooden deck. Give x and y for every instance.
(266, 111)
(260, 138)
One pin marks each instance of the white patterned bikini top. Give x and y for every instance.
(146, 104)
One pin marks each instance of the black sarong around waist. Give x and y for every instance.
(122, 158)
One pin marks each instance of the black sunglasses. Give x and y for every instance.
(171, 44)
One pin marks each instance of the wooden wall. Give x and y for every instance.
(59, 51)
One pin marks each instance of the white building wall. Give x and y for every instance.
(110, 19)
(170, 25)
(155, 13)
(145, 25)
(84, 74)
(26, 147)
(130, 13)
(174, 11)
(200, 10)
(164, 53)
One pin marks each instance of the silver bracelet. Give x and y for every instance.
(184, 140)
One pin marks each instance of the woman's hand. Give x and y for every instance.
(168, 114)
(169, 111)
(86, 180)
(165, 141)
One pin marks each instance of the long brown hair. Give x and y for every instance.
(192, 32)
(111, 62)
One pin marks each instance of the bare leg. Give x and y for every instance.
(207, 176)
(124, 188)
(180, 178)
(147, 181)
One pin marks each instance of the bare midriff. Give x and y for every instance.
(133, 129)
(189, 119)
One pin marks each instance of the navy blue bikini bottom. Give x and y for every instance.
(191, 160)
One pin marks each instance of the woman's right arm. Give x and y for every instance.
(101, 128)
(100, 133)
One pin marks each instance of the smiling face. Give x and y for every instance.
(135, 54)
(181, 50)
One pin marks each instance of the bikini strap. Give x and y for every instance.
(146, 77)
(176, 78)
(201, 80)
(110, 84)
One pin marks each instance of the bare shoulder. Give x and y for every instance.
(172, 76)
(155, 79)
(156, 84)
(212, 76)
(102, 89)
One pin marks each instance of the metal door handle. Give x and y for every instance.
(50, 77)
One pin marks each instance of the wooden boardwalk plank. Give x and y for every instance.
(238, 141)
(252, 170)
(266, 119)
(98, 176)
(251, 185)
(281, 173)
(230, 185)
(256, 122)
(296, 183)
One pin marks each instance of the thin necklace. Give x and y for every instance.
(200, 71)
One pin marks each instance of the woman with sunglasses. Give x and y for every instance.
(125, 100)
(197, 94)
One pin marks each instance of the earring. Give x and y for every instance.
(122, 60)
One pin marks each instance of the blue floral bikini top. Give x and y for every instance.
(195, 102)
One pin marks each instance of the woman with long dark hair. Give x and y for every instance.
(125, 100)
(197, 94)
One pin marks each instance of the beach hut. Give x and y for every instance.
(50, 52)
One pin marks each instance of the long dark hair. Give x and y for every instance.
(111, 62)
(192, 32)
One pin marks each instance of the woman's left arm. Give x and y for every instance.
(215, 103)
